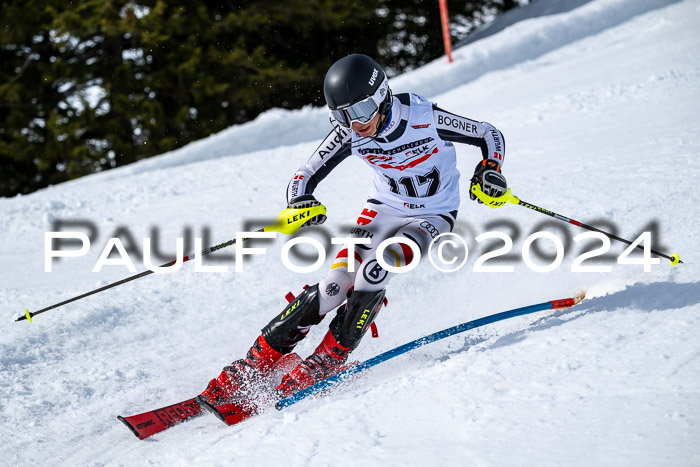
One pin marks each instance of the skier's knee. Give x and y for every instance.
(333, 290)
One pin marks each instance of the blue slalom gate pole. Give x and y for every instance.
(353, 370)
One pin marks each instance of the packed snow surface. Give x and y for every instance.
(600, 107)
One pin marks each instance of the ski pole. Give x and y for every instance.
(343, 375)
(287, 222)
(509, 197)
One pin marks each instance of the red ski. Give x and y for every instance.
(149, 423)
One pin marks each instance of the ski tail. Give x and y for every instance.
(149, 423)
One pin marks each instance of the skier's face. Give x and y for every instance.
(366, 129)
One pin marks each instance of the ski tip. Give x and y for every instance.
(675, 259)
(566, 303)
(133, 430)
(579, 296)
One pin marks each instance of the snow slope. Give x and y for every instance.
(600, 106)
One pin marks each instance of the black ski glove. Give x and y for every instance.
(488, 176)
(307, 201)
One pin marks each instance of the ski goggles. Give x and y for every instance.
(362, 111)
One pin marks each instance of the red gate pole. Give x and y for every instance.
(446, 29)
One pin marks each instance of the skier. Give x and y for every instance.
(407, 141)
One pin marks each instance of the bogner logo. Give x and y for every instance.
(375, 73)
(460, 124)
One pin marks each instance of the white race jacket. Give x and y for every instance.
(414, 161)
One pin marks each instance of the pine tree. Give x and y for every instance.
(87, 86)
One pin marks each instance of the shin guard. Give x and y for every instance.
(352, 321)
(292, 325)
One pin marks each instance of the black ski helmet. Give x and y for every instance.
(355, 78)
